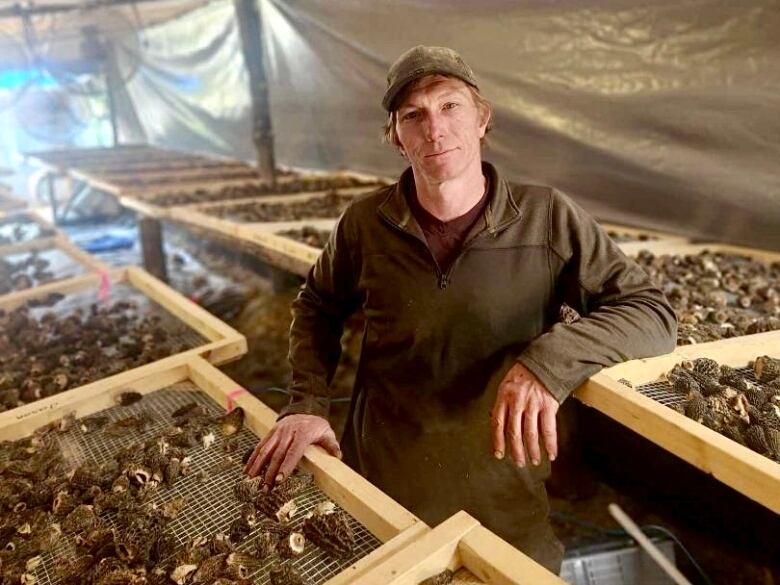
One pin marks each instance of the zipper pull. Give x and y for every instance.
(443, 282)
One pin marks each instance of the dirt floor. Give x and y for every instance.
(734, 540)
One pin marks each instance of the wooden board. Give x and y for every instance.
(221, 343)
(753, 475)
(670, 247)
(385, 519)
(297, 257)
(8, 202)
(459, 544)
(638, 232)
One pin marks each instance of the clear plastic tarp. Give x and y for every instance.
(662, 114)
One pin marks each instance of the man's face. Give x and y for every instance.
(439, 127)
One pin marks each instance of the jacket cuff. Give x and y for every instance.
(557, 387)
(306, 404)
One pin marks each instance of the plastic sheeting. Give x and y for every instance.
(665, 115)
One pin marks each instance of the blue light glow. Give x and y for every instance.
(16, 78)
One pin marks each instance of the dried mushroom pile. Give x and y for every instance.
(330, 205)
(253, 190)
(43, 356)
(272, 515)
(726, 401)
(31, 270)
(717, 295)
(120, 525)
(20, 228)
(104, 511)
(308, 235)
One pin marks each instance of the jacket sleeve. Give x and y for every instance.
(324, 302)
(624, 316)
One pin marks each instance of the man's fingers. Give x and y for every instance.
(330, 444)
(278, 455)
(550, 432)
(514, 432)
(291, 459)
(531, 434)
(262, 453)
(498, 420)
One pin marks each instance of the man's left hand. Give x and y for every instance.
(524, 409)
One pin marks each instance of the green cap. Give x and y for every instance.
(419, 62)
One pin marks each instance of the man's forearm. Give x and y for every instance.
(315, 349)
(642, 325)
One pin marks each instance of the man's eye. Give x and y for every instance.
(409, 116)
(450, 105)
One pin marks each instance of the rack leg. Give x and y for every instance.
(152, 247)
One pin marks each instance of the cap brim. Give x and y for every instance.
(394, 90)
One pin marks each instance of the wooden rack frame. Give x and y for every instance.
(61, 243)
(751, 474)
(223, 342)
(294, 256)
(142, 200)
(670, 247)
(410, 549)
(298, 257)
(8, 202)
(198, 215)
(459, 543)
(636, 232)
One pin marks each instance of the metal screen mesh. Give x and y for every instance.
(664, 393)
(211, 505)
(61, 265)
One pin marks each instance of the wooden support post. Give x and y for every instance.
(250, 29)
(150, 231)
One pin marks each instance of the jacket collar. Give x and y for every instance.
(500, 211)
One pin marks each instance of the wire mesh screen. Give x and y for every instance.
(37, 268)
(207, 489)
(664, 393)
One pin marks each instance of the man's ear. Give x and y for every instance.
(485, 114)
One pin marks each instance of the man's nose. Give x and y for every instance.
(434, 126)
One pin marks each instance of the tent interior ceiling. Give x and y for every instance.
(149, 12)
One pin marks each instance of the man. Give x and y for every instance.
(460, 277)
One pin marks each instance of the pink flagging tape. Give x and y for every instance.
(105, 285)
(231, 395)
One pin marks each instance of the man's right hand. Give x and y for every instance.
(277, 454)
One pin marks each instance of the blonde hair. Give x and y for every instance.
(390, 136)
